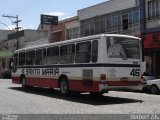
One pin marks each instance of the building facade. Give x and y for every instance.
(66, 29)
(150, 30)
(114, 16)
(26, 38)
(131, 17)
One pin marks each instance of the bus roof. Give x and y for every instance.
(75, 40)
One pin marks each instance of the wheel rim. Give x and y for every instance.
(64, 87)
(154, 90)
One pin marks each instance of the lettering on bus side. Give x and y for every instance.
(50, 71)
(30, 71)
(43, 71)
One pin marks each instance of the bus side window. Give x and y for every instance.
(94, 51)
(83, 52)
(53, 55)
(30, 57)
(67, 53)
(21, 58)
(40, 58)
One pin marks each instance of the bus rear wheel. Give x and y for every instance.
(64, 87)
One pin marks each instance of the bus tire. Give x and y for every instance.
(154, 90)
(64, 86)
(23, 82)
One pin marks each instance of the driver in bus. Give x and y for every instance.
(115, 50)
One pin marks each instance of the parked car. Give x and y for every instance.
(141, 87)
(6, 74)
(132, 88)
(152, 85)
(149, 84)
(146, 78)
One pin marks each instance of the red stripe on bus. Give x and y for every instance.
(123, 83)
(42, 82)
(77, 85)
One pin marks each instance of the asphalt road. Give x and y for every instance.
(15, 100)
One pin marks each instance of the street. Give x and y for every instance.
(15, 100)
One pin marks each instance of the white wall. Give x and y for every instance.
(33, 35)
(36, 42)
(72, 24)
(4, 34)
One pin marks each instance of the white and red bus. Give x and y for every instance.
(81, 64)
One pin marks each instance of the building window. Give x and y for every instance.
(92, 27)
(125, 21)
(153, 9)
(82, 29)
(97, 25)
(73, 33)
(115, 22)
(87, 29)
(149, 9)
(102, 25)
(108, 24)
(136, 17)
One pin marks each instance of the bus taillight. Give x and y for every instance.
(103, 77)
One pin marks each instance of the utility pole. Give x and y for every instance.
(17, 27)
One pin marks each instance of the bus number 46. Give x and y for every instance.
(135, 72)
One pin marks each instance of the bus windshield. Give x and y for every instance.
(123, 47)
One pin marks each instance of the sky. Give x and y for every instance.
(29, 11)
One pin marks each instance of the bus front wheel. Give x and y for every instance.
(64, 87)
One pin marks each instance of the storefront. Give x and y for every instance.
(152, 53)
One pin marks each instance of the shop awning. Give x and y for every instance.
(6, 54)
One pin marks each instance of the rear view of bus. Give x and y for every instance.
(124, 61)
(92, 64)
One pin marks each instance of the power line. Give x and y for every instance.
(5, 25)
(17, 27)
